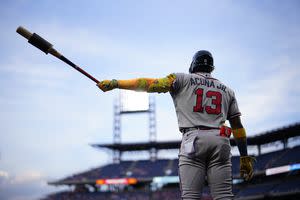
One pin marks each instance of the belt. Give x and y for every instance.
(184, 130)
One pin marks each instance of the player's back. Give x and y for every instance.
(201, 100)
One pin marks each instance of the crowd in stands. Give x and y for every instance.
(148, 169)
(290, 183)
(171, 194)
(287, 184)
(273, 187)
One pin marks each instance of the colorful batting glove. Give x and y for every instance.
(246, 167)
(107, 85)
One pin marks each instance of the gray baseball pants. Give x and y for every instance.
(204, 154)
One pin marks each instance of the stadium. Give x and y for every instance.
(276, 175)
(63, 138)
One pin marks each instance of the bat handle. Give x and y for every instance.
(24, 32)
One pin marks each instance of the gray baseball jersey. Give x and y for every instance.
(201, 100)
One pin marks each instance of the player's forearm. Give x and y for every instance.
(140, 84)
(241, 140)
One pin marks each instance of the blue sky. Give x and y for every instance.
(50, 113)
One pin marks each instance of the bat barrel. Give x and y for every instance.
(40, 43)
(35, 39)
(46, 47)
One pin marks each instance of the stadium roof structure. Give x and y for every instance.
(280, 134)
(274, 135)
(140, 146)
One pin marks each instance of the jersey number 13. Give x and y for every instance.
(216, 102)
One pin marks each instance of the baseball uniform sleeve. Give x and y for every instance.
(233, 108)
(179, 82)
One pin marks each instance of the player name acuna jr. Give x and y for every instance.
(207, 83)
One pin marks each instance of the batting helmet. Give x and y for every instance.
(202, 62)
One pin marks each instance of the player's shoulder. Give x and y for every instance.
(220, 83)
(181, 75)
(194, 77)
(177, 74)
(228, 89)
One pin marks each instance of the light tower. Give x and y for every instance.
(130, 102)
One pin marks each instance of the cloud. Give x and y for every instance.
(26, 72)
(3, 174)
(271, 97)
(81, 45)
(25, 186)
(28, 176)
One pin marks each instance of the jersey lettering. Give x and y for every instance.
(198, 107)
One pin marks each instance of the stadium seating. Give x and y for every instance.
(114, 170)
(282, 184)
(175, 168)
(288, 186)
(149, 169)
(166, 167)
(255, 190)
(235, 160)
(266, 160)
(289, 156)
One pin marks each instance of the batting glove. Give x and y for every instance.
(246, 167)
(107, 85)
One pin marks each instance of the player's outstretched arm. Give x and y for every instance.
(140, 84)
(239, 134)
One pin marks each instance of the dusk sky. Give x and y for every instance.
(50, 113)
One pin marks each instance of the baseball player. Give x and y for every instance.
(202, 105)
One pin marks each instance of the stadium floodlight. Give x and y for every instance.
(131, 101)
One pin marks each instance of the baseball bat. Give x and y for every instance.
(47, 47)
